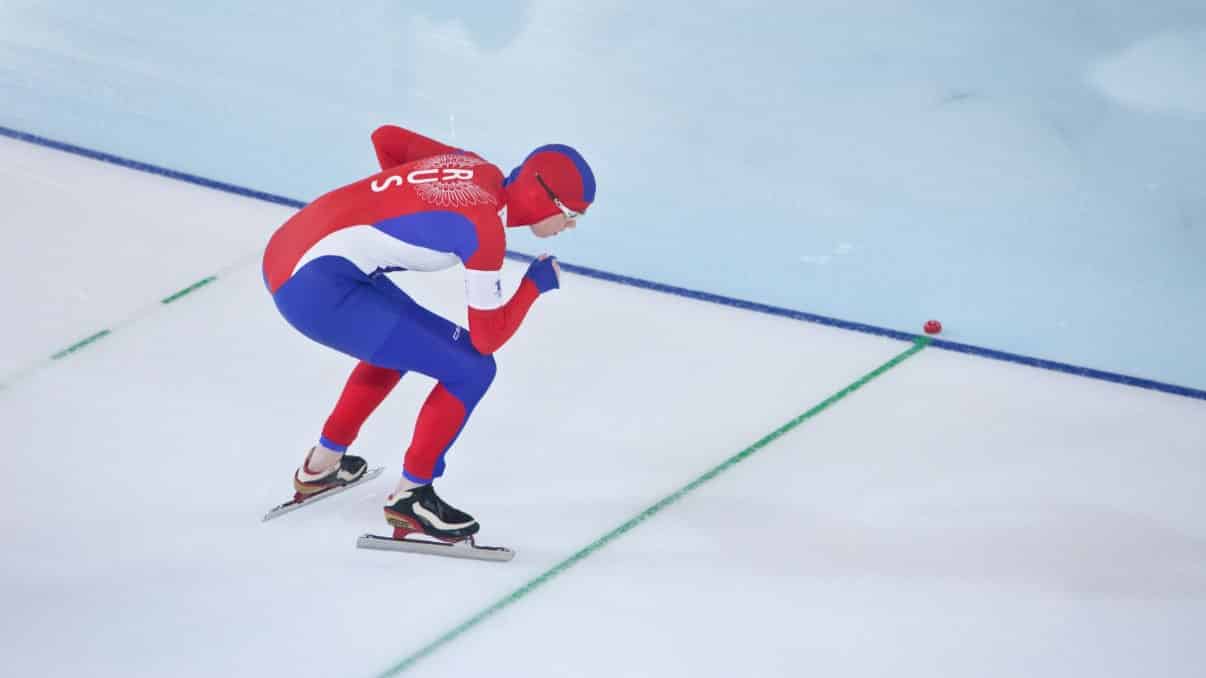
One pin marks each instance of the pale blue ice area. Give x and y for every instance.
(1033, 173)
(957, 516)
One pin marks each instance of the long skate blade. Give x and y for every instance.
(298, 503)
(463, 549)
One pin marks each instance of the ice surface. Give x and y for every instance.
(956, 516)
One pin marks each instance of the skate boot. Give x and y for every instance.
(420, 510)
(311, 485)
(348, 470)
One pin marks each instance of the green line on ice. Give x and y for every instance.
(191, 288)
(919, 344)
(80, 344)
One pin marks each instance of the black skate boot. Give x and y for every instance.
(349, 470)
(420, 510)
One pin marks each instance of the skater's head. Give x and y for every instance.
(549, 190)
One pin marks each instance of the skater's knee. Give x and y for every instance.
(488, 369)
(483, 374)
(475, 381)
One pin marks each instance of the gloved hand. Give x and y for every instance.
(545, 273)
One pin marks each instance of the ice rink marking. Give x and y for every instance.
(522, 592)
(12, 378)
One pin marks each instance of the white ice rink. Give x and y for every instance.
(956, 516)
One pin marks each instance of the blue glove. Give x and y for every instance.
(541, 272)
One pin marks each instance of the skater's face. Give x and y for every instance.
(553, 225)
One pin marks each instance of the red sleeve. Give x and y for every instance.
(489, 330)
(396, 146)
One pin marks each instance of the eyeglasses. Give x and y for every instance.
(569, 213)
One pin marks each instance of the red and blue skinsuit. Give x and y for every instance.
(430, 208)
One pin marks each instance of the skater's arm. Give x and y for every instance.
(489, 329)
(491, 321)
(397, 146)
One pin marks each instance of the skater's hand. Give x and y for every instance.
(545, 273)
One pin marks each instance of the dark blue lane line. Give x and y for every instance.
(656, 286)
(882, 331)
(1089, 372)
(152, 169)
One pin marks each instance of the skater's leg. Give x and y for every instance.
(427, 343)
(333, 303)
(371, 319)
(366, 388)
(424, 342)
(439, 424)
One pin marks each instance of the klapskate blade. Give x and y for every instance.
(464, 549)
(298, 503)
